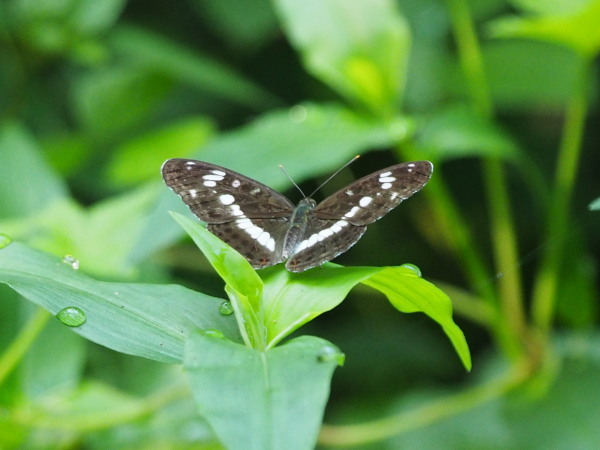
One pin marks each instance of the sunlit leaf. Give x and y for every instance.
(359, 49)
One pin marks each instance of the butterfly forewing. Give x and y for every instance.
(370, 198)
(218, 195)
(248, 215)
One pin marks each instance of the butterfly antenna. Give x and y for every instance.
(335, 173)
(293, 182)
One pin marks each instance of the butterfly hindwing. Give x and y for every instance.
(370, 198)
(218, 195)
(323, 241)
(258, 240)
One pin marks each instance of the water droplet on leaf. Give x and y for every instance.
(71, 316)
(72, 261)
(329, 353)
(412, 267)
(226, 309)
(298, 114)
(214, 333)
(4, 240)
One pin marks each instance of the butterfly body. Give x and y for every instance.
(267, 228)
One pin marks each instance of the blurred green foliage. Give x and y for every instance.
(95, 95)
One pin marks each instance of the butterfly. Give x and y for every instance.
(267, 229)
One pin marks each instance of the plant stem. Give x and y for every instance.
(503, 235)
(546, 283)
(19, 346)
(378, 430)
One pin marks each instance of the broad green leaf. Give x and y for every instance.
(359, 49)
(111, 100)
(539, 75)
(164, 56)
(290, 300)
(27, 183)
(178, 139)
(262, 400)
(138, 319)
(309, 140)
(457, 132)
(550, 7)
(67, 228)
(578, 30)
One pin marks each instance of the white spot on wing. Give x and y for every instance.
(270, 244)
(235, 183)
(349, 192)
(193, 193)
(226, 199)
(352, 212)
(365, 201)
(235, 210)
(190, 163)
(209, 183)
(244, 223)
(213, 177)
(385, 174)
(254, 191)
(219, 172)
(386, 185)
(386, 179)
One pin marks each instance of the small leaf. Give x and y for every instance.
(578, 30)
(261, 400)
(360, 49)
(138, 319)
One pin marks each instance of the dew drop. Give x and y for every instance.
(412, 267)
(4, 240)
(329, 353)
(214, 333)
(71, 316)
(72, 261)
(298, 114)
(225, 308)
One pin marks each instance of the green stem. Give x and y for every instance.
(19, 346)
(546, 283)
(503, 235)
(451, 406)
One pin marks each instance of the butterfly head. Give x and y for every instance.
(308, 203)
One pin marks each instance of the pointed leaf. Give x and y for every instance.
(262, 400)
(139, 319)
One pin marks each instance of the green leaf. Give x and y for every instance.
(262, 400)
(409, 293)
(27, 183)
(595, 205)
(359, 49)
(138, 319)
(457, 131)
(67, 228)
(577, 30)
(286, 301)
(243, 285)
(161, 55)
(111, 100)
(175, 140)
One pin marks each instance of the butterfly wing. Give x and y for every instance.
(340, 220)
(323, 241)
(373, 196)
(248, 215)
